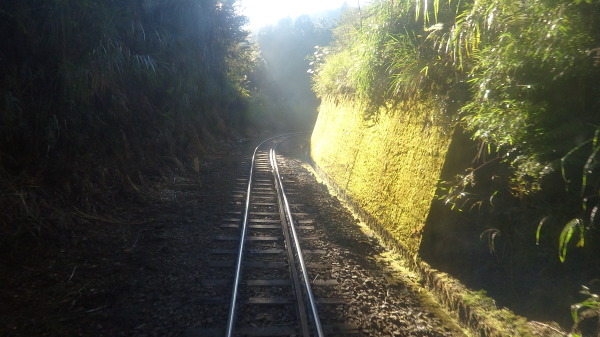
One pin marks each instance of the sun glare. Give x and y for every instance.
(266, 12)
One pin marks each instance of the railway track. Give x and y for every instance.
(274, 280)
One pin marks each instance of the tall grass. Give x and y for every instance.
(96, 93)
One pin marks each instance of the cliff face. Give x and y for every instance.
(388, 166)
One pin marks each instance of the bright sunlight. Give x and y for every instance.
(265, 12)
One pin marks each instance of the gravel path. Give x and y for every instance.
(139, 271)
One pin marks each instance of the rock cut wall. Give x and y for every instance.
(388, 166)
(387, 169)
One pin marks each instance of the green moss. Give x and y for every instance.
(389, 167)
(386, 171)
(477, 311)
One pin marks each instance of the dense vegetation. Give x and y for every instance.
(521, 79)
(99, 95)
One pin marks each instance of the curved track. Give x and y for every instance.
(298, 259)
(259, 188)
(270, 290)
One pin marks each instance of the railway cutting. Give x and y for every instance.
(280, 267)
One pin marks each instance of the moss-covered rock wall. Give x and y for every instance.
(388, 166)
(387, 169)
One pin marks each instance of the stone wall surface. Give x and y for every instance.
(386, 170)
(388, 166)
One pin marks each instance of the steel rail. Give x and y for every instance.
(297, 287)
(238, 268)
(307, 287)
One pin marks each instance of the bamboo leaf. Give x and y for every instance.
(589, 166)
(575, 312)
(492, 198)
(593, 214)
(567, 234)
(417, 9)
(564, 158)
(539, 230)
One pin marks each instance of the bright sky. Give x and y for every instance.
(266, 12)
